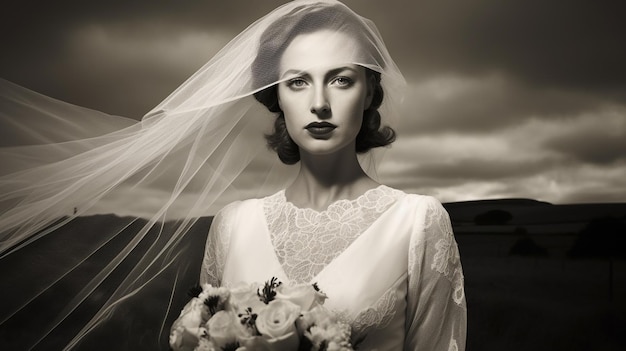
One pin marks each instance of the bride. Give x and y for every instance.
(387, 260)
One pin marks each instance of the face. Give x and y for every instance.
(322, 97)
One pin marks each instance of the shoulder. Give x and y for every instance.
(236, 209)
(432, 205)
(425, 204)
(227, 211)
(424, 210)
(430, 218)
(227, 220)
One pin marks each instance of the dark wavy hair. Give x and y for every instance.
(273, 43)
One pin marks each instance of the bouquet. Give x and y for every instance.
(251, 317)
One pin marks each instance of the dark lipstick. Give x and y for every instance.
(320, 128)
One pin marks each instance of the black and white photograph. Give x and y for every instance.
(313, 175)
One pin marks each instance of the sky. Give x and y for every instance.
(505, 99)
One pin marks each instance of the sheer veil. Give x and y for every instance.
(199, 149)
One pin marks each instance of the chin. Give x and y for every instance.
(326, 150)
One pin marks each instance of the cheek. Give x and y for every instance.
(290, 118)
(354, 111)
(290, 125)
(291, 104)
(294, 109)
(356, 123)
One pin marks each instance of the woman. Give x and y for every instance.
(334, 225)
(201, 146)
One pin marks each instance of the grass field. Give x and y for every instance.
(543, 277)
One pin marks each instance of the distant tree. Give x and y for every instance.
(493, 217)
(601, 237)
(526, 246)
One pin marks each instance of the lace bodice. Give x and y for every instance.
(306, 240)
(387, 260)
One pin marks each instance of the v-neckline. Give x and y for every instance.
(304, 266)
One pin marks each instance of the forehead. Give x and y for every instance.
(321, 49)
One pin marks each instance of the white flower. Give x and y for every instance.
(319, 325)
(217, 299)
(205, 345)
(225, 328)
(189, 327)
(305, 296)
(277, 323)
(244, 296)
(336, 337)
(183, 338)
(239, 317)
(318, 316)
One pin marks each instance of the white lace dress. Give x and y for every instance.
(387, 260)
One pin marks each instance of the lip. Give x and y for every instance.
(320, 128)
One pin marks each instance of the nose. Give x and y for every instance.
(319, 103)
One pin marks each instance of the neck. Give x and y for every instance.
(325, 179)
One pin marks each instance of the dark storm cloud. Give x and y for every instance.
(513, 60)
(594, 146)
(46, 47)
(598, 193)
(67, 13)
(558, 43)
(486, 170)
(525, 85)
(490, 103)
(546, 44)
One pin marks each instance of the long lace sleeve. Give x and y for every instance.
(436, 307)
(217, 245)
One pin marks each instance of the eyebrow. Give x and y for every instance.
(330, 73)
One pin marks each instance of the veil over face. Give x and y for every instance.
(197, 150)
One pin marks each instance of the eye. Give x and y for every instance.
(296, 83)
(342, 81)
